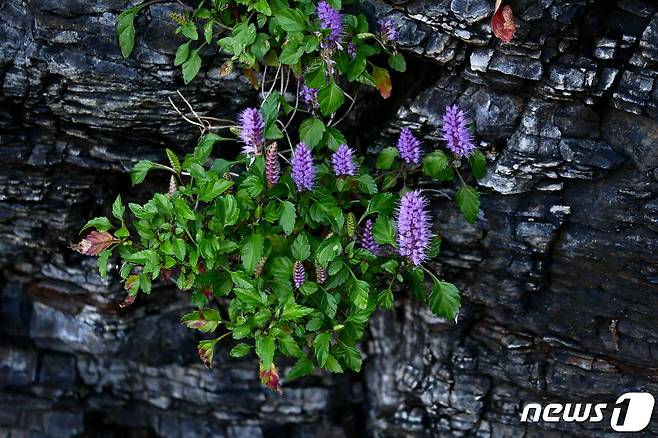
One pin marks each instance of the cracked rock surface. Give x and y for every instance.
(559, 276)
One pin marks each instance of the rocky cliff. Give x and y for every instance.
(559, 276)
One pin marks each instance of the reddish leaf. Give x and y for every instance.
(95, 243)
(271, 379)
(383, 81)
(207, 351)
(502, 22)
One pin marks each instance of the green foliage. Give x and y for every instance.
(224, 231)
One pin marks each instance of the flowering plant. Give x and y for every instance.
(291, 251)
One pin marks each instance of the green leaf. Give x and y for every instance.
(118, 209)
(261, 46)
(281, 267)
(321, 347)
(182, 53)
(333, 365)
(214, 189)
(356, 67)
(251, 251)
(328, 250)
(192, 66)
(330, 98)
(253, 185)
(391, 266)
(174, 161)
(292, 311)
(240, 350)
(126, 31)
(202, 320)
(100, 223)
(288, 217)
(359, 293)
(386, 158)
(468, 201)
(178, 246)
(383, 203)
(308, 288)
(300, 248)
(189, 30)
(139, 171)
(334, 138)
(207, 31)
(250, 296)
(289, 347)
(265, 350)
(435, 163)
(367, 184)
(102, 262)
(182, 210)
(385, 299)
(315, 77)
(444, 300)
(291, 53)
(311, 131)
(302, 367)
(397, 62)
(478, 164)
(290, 20)
(384, 231)
(351, 357)
(270, 108)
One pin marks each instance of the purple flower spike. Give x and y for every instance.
(251, 130)
(414, 228)
(409, 147)
(456, 133)
(272, 166)
(388, 30)
(367, 239)
(309, 95)
(298, 274)
(351, 49)
(330, 19)
(303, 169)
(343, 161)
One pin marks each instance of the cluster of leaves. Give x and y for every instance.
(231, 239)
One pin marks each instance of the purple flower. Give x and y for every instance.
(330, 19)
(456, 133)
(388, 30)
(251, 130)
(343, 161)
(272, 166)
(351, 49)
(303, 169)
(298, 274)
(409, 147)
(414, 227)
(367, 239)
(309, 95)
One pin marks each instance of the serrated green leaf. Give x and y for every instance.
(192, 66)
(100, 223)
(251, 251)
(290, 20)
(240, 350)
(435, 163)
(386, 158)
(289, 347)
(367, 184)
(288, 217)
(182, 53)
(444, 300)
(330, 98)
(302, 367)
(139, 171)
(359, 292)
(478, 164)
(292, 311)
(102, 262)
(321, 347)
(384, 230)
(126, 31)
(311, 131)
(328, 250)
(468, 201)
(300, 248)
(265, 350)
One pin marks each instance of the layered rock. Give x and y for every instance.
(558, 276)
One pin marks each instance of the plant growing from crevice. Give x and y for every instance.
(291, 246)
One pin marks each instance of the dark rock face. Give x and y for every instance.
(559, 276)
